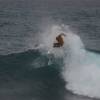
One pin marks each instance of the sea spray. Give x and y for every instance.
(81, 68)
(48, 38)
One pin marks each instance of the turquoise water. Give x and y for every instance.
(21, 79)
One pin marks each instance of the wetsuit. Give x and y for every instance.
(60, 41)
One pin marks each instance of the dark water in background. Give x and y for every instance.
(21, 78)
(20, 22)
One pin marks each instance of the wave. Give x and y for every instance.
(81, 69)
(33, 58)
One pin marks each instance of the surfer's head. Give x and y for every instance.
(62, 34)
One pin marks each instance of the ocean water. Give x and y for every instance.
(30, 69)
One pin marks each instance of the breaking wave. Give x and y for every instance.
(81, 69)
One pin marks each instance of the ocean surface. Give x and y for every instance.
(28, 72)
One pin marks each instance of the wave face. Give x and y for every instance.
(30, 75)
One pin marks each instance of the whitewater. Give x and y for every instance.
(81, 69)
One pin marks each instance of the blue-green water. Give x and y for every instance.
(22, 80)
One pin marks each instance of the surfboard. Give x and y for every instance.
(56, 45)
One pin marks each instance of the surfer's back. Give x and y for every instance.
(60, 40)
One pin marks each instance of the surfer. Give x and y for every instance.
(60, 41)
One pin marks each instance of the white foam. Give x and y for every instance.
(82, 68)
